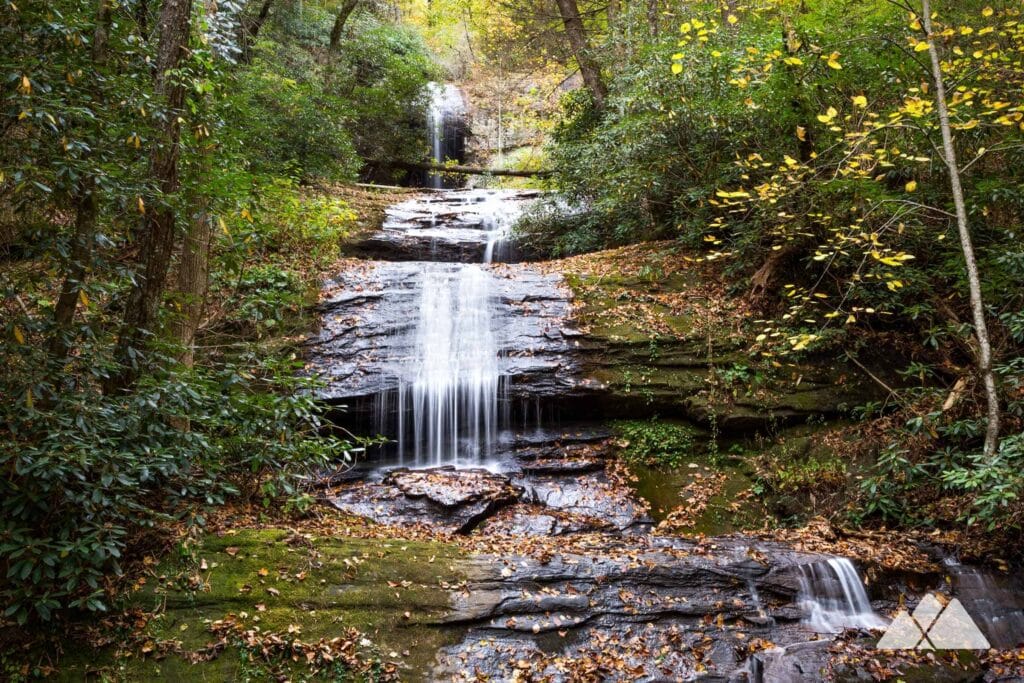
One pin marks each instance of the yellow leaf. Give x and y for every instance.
(677, 68)
(26, 85)
(801, 133)
(142, 206)
(860, 101)
(834, 64)
(19, 335)
(794, 61)
(987, 12)
(912, 186)
(223, 226)
(921, 46)
(851, 319)
(28, 399)
(247, 215)
(83, 298)
(732, 19)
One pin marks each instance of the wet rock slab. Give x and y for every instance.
(629, 608)
(369, 312)
(445, 498)
(460, 500)
(451, 226)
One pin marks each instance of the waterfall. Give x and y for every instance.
(833, 597)
(446, 128)
(448, 395)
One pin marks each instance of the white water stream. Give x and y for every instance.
(833, 597)
(449, 392)
(445, 127)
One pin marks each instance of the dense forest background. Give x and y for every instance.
(169, 202)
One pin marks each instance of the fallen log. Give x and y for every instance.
(464, 170)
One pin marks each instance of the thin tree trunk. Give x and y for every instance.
(142, 18)
(193, 281)
(966, 243)
(653, 18)
(251, 30)
(86, 210)
(728, 8)
(78, 265)
(791, 43)
(614, 11)
(576, 34)
(157, 239)
(339, 22)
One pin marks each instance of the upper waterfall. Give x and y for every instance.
(446, 128)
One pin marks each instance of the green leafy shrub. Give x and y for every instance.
(267, 295)
(810, 474)
(654, 442)
(85, 471)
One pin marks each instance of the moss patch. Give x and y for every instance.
(393, 591)
(724, 491)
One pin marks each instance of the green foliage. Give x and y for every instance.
(86, 471)
(311, 113)
(654, 442)
(295, 126)
(801, 475)
(796, 141)
(89, 472)
(905, 485)
(266, 296)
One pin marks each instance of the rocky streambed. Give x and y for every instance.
(494, 382)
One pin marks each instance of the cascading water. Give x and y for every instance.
(994, 601)
(445, 400)
(446, 127)
(833, 598)
(448, 395)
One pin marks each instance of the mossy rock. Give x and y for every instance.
(392, 591)
(663, 336)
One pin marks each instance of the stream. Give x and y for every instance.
(466, 367)
(471, 365)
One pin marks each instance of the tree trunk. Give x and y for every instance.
(86, 210)
(614, 12)
(966, 243)
(728, 8)
(78, 266)
(157, 238)
(340, 21)
(142, 18)
(463, 170)
(792, 43)
(193, 281)
(653, 18)
(576, 34)
(251, 30)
